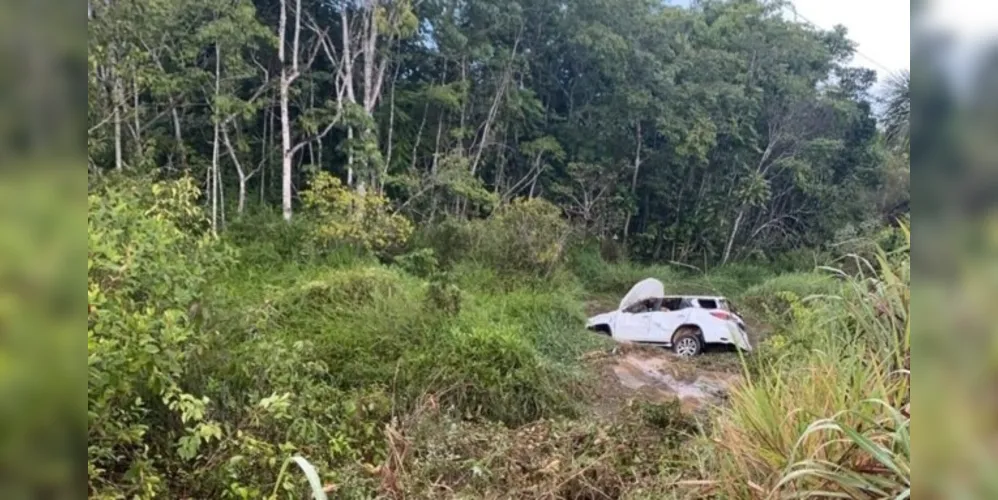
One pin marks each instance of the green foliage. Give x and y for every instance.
(668, 135)
(526, 236)
(421, 262)
(346, 217)
(824, 411)
(657, 124)
(146, 278)
(775, 296)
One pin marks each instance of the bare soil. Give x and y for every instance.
(631, 373)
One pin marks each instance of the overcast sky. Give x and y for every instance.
(881, 29)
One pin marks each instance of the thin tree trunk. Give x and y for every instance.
(494, 110)
(391, 127)
(117, 98)
(285, 88)
(243, 176)
(634, 181)
(464, 105)
(221, 196)
(350, 156)
(731, 238)
(135, 114)
(268, 139)
(214, 142)
(177, 135)
(311, 102)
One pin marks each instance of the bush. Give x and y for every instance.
(346, 217)
(490, 371)
(524, 238)
(147, 269)
(773, 297)
(421, 262)
(451, 240)
(527, 235)
(265, 238)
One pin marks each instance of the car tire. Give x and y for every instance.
(601, 329)
(687, 342)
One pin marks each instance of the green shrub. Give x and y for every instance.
(265, 239)
(527, 235)
(421, 262)
(342, 216)
(147, 268)
(490, 371)
(444, 296)
(525, 238)
(773, 297)
(451, 240)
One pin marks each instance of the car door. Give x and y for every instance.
(632, 327)
(663, 324)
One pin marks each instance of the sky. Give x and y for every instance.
(880, 28)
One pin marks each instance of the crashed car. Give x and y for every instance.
(684, 323)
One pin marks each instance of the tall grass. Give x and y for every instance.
(828, 419)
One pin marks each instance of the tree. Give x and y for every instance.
(732, 129)
(897, 113)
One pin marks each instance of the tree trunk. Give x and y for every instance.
(285, 88)
(118, 98)
(136, 118)
(634, 182)
(244, 177)
(286, 149)
(214, 143)
(177, 135)
(731, 238)
(267, 139)
(350, 156)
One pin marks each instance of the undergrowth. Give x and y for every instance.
(448, 364)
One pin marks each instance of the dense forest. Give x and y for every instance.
(719, 132)
(348, 250)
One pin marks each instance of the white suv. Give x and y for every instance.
(685, 323)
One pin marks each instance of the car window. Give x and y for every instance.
(673, 303)
(707, 303)
(644, 306)
(640, 307)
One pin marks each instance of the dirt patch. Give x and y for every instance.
(632, 373)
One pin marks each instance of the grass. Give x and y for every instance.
(463, 378)
(506, 356)
(824, 417)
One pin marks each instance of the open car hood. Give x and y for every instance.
(645, 289)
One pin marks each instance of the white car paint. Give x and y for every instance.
(644, 289)
(718, 326)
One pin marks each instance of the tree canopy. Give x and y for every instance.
(719, 131)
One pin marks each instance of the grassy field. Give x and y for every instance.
(456, 372)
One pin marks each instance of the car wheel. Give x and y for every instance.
(601, 329)
(687, 342)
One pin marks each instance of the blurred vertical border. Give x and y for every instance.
(954, 150)
(43, 61)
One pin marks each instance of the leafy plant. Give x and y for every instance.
(346, 216)
(147, 270)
